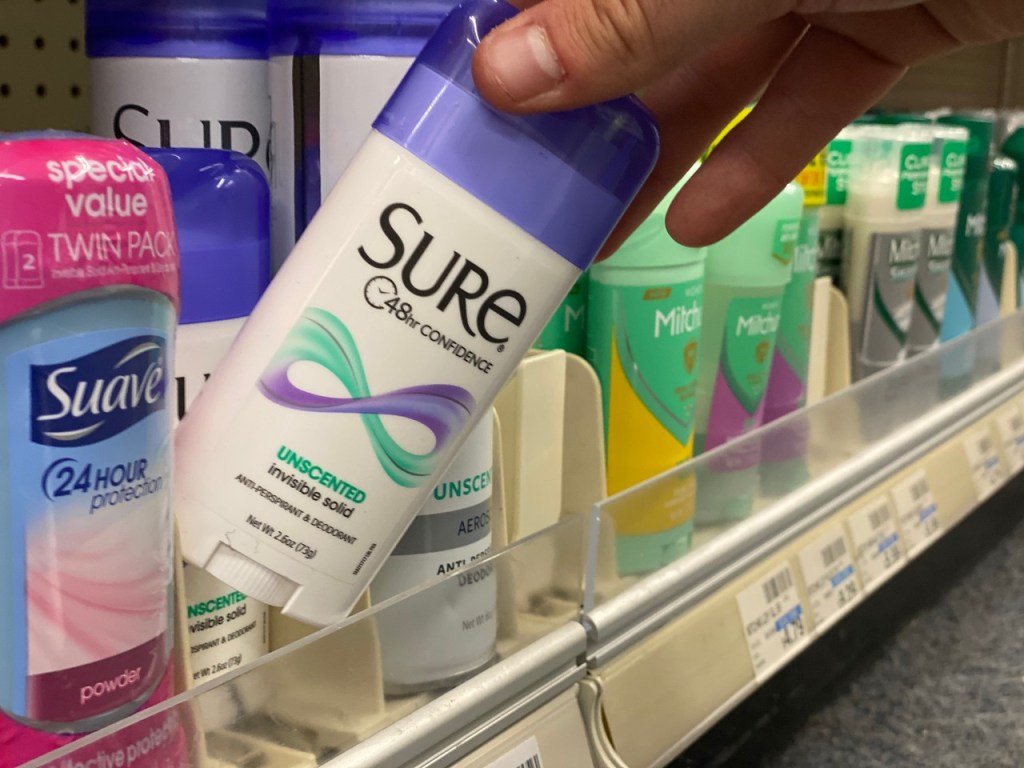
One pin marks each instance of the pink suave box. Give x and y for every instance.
(88, 306)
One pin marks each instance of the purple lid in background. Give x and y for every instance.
(222, 212)
(353, 27)
(188, 29)
(563, 177)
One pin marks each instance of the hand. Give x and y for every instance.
(815, 64)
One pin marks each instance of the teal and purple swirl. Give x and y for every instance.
(320, 337)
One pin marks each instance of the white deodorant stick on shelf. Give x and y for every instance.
(945, 185)
(830, 215)
(333, 66)
(437, 638)
(406, 305)
(888, 186)
(225, 267)
(180, 73)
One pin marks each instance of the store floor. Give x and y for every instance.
(928, 672)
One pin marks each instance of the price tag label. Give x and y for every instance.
(830, 577)
(1011, 431)
(773, 621)
(877, 548)
(917, 511)
(983, 459)
(524, 755)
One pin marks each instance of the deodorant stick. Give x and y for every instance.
(180, 73)
(222, 209)
(1002, 200)
(945, 185)
(88, 294)
(432, 266)
(830, 215)
(436, 639)
(884, 221)
(969, 248)
(567, 328)
(643, 337)
(332, 67)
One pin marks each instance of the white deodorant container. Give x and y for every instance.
(180, 73)
(225, 267)
(429, 271)
(437, 638)
(333, 66)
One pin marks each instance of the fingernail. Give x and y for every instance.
(524, 63)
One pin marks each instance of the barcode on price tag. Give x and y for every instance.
(830, 577)
(1011, 430)
(877, 548)
(983, 459)
(917, 511)
(776, 585)
(773, 620)
(524, 755)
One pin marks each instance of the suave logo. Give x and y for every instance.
(96, 396)
(681, 319)
(483, 312)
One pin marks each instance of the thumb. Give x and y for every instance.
(561, 54)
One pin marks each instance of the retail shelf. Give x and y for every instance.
(885, 469)
(320, 700)
(479, 711)
(781, 550)
(554, 735)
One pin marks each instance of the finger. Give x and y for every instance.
(828, 80)
(981, 21)
(842, 66)
(560, 54)
(694, 102)
(904, 37)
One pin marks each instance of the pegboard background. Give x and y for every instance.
(44, 75)
(43, 70)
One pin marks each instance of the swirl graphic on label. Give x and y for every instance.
(320, 337)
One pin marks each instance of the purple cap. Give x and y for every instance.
(354, 27)
(222, 211)
(563, 177)
(195, 29)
